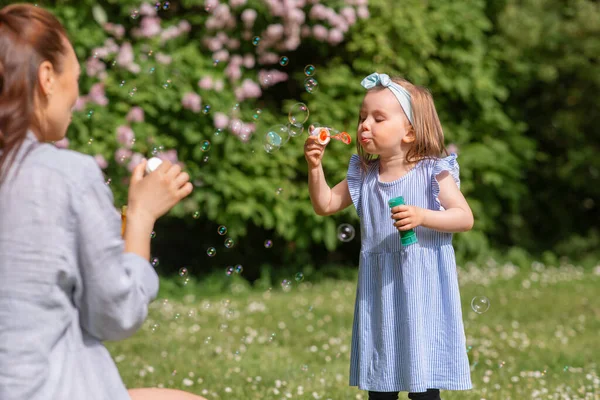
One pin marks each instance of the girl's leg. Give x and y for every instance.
(161, 394)
(383, 395)
(430, 394)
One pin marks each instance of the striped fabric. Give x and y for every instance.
(408, 333)
(66, 284)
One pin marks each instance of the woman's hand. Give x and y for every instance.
(154, 195)
(313, 150)
(407, 217)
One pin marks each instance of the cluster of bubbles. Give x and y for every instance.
(230, 270)
(310, 83)
(278, 135)
(480, 304)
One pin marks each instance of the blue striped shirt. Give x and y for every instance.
(408, 332)
(66, 284)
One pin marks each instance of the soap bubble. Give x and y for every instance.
(152, 235)
(206, 109)
(299, 277)
(155, 261)
(309, 70)
(311, 85)
(183, 272)
(298, 113)
(480, 304)
(90, 114)
(122, 84)
(166, 5)
(279, 190)
(268, 243)
(155, 327)
(135, 14)
(256, 114)
(221, 230)
(283, 61)
(211, 251)
(345, 232)
(151, 70)
(229, 271)
(166, 84)
(239, 269)
(157, 5)
(276, 137)
(286, 284)
(205, 146)
(196, 214)
(218, 132)
(255, 40)
(295, 129)
(132, 92)
(229, 243)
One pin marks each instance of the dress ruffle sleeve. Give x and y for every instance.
(444, 164)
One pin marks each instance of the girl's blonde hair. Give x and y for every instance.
(429, 135)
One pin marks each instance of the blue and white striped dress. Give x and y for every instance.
(408, 333)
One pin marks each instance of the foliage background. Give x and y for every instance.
(515, 84)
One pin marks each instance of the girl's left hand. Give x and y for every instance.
(407, 217)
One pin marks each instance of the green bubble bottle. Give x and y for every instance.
(406, 237)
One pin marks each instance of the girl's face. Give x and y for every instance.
(383, 128)
(61, 91)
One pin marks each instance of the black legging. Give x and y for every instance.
(430, 394)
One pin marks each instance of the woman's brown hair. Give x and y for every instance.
(28, 36)
(429, 135)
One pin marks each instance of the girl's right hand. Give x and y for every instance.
(155, 194)
(313, 150)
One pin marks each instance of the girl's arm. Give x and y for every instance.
(327, 201)
(457, 215)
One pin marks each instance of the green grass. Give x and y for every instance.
(540, 339)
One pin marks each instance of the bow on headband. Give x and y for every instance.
(401, 94)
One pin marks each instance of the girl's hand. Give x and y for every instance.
(313, 150)
(407, 217)
(155, 194)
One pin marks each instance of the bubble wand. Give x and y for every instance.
(324, 135)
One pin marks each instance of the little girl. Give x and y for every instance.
(408, 332)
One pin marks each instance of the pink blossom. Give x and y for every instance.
(274, 31)
(349, 14)
(249, 61)
(248, 17)
(221, 55)
(125, 56)
(305, 32)
(116, 30)
(237, 3)
(296, 16)
(80, 103)
(220, 120)
(101, 161)
(163, 58)
(335, 37)
(210, 5)
(268, 58)
(147, 10)
(292, 43)
(233, 71)
(361, 2)
(219, 85)
(363, 12)
(97, 95)
(169, 155)
(62, 143)
(235, 125)
(121, 155)
(136, 114)
(318, 12)
(93, 66)
(125, 136)
(237, 60)
(191, 101)
(170, 33)
(271, 77)
(111, 45)
(135, 68)
(150, 26)
(184, 26)
(233, 44)
(213, 44)
(136, 159)
(205, 83)
(452, 148)
(320, 32)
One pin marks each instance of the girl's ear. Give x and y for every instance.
(410, 135)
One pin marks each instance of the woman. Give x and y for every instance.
(68, 280)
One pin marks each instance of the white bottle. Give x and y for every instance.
(152, 164)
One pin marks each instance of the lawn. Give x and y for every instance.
(540, 338)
